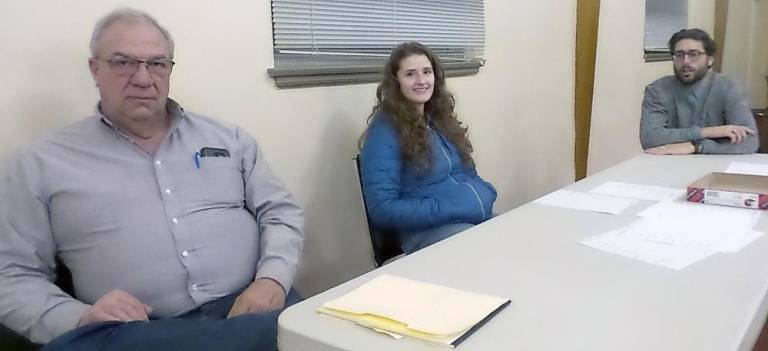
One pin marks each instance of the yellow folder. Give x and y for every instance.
(415, 309)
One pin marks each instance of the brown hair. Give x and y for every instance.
(409, 124)
(696, 34)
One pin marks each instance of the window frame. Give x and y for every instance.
(656, 53)
(290, 70)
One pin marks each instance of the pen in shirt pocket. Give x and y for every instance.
(197, 158)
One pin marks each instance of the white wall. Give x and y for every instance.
(621, 75)
(519, 108)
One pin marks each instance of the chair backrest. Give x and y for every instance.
(64, 278)
(761, 119)
(385, 243)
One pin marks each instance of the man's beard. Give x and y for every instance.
(696, 75)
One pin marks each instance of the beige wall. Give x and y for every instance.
(621, 76)
(519, 108)
(758, 84)
(757, 50)
(738, 39)
(745, 55)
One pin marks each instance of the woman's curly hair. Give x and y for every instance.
(409, 124)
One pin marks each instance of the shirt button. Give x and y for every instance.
(158, 163)
(185, 253)
(174, 220)
(168, 191)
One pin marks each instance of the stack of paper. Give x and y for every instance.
(675, 235)
(404, 307)
(586, 202)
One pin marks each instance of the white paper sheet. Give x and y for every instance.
(637, 191)
(699, 237)
(669, 256)
(586, 202)
(699, 226)
(747, 168)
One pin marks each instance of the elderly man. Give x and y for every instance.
(697, 110)
(177, 234)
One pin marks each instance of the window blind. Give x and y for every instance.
(332, 38)
(662, 19)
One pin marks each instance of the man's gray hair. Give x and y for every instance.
(126, 15)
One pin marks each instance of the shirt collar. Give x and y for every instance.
(175, 111)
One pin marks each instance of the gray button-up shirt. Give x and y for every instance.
(172, 229)
(675, 113)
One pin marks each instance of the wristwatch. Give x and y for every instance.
(696, 146)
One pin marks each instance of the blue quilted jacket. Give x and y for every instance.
(400, 198)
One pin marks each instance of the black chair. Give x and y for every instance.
(385, 243)
(761, 120)
(10, 340)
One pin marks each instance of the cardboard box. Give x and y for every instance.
(738, 190)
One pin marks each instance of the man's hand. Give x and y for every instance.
(262, 295)
(685, 148)
(737, 134)
(116, 305)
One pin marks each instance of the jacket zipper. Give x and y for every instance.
(450, 167)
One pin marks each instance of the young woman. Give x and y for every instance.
(417, 171)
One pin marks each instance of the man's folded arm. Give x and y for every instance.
(654, 122)
(739, 113)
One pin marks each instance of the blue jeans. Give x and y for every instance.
(414, 241)
(205, 328)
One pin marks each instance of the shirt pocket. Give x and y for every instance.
(217, 183)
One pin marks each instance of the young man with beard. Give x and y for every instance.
(697, 110)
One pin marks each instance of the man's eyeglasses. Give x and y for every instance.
(693, 55)
(124, 66)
